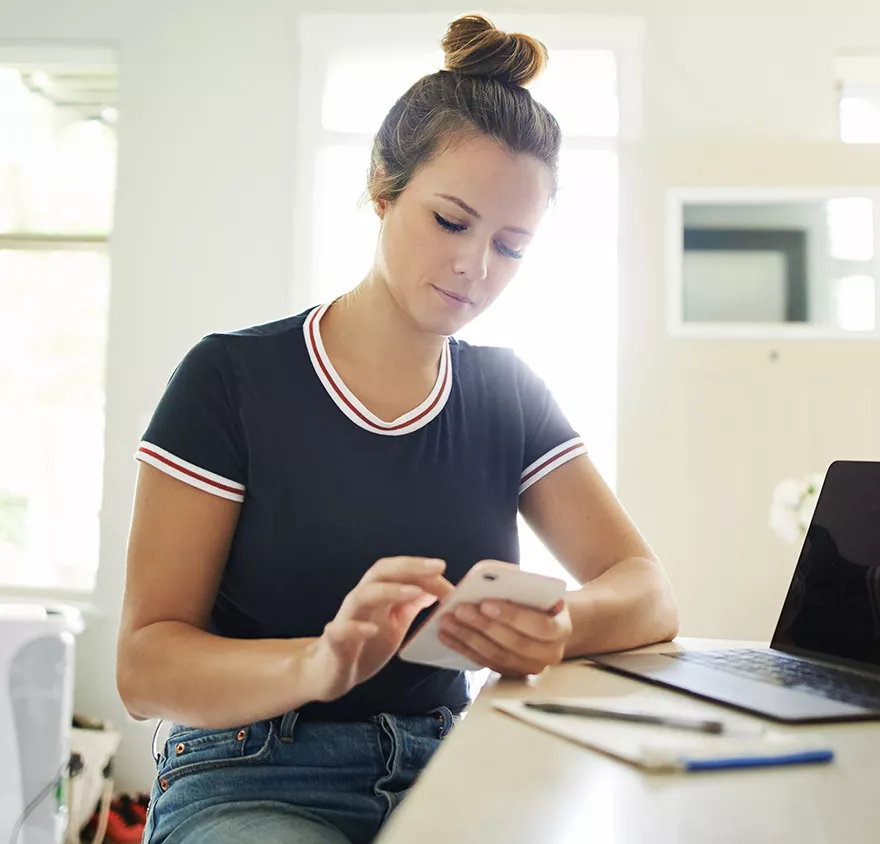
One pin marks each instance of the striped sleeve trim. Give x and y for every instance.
(553, 459)
(189, 473)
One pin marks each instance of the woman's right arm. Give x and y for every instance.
(168, 666)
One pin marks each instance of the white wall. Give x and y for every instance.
(203, 228)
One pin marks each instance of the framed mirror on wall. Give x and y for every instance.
(759, 262)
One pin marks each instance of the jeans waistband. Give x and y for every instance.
(443, 715)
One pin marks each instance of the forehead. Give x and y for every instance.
(489, 178)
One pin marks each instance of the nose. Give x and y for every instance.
(472, 261)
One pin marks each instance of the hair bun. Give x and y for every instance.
(475, 47)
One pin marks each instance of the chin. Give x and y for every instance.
(436, 317)
(443, 326)
(440, 321)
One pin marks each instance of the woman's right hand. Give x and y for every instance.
(372, 622)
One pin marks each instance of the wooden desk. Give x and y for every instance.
(498, 781)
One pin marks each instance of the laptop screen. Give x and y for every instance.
(833, 604)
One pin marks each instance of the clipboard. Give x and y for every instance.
(664, 750)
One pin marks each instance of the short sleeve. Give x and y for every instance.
(550, 441)
(195, 432)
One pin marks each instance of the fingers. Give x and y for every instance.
(483, 652)
(379, 595)
(424, 572)
(404, 568)
(349, 631)
(469, 617)
(498, 657)
(440, 587)
(532, 623)
(499, 641)
(424, 602)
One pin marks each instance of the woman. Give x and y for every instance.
(308, 487)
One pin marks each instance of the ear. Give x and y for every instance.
(380, 204)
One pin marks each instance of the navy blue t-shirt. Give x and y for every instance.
(261, 416)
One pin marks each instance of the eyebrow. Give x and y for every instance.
(476, 214)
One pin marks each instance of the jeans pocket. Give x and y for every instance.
(192, 751)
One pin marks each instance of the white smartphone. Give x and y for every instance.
(485, 581)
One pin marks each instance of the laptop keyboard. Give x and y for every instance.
(780, 670)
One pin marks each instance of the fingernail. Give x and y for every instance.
(433, 565)
(492, 610)
(410, 591)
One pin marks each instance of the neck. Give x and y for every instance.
(366, 326)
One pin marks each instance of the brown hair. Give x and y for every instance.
(480, 93)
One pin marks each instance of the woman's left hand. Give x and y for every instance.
(511, 639)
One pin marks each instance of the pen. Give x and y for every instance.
(673, 721)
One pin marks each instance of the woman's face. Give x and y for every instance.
(454, 238)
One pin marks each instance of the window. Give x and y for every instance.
(858, 81)
(850, 228)
(57, 177)
(560, 313)
(854, 305)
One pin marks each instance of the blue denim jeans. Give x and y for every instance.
(289, 781)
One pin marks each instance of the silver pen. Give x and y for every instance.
(675, 722)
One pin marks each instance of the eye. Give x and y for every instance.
(448, 225)
(510, 253)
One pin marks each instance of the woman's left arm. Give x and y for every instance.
(626, 599)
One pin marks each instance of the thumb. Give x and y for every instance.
(411, 609)
(340, 633)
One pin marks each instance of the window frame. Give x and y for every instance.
(677, 197)
(49, 58)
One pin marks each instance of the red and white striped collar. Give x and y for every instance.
(349, 403)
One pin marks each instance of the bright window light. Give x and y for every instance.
(860, 119)
(57, 181)
(53, 334)
(850, 223)
(346, 227)
(580, 89)
(854, 303)
(858, 80)
(361, 87)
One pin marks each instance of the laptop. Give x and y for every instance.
(823, 663)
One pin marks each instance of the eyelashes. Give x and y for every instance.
(455, 228)
(510, 253)
(448, 224)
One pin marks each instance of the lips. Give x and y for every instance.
(458, 297)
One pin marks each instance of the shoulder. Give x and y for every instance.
(228, 350)
(499, 365)
(489, 359)
(257, 336)
(225, 358)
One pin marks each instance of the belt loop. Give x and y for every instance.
(154, 745)
(285, 733)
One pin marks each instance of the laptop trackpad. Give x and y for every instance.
(777, 702)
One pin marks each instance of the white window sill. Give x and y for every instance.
(81, 601)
